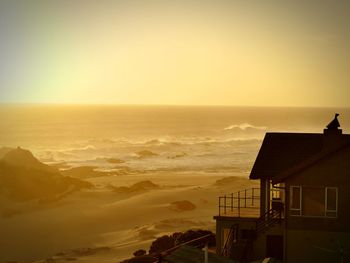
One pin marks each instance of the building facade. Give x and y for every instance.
(300, 212)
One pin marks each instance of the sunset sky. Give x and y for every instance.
(257, 53)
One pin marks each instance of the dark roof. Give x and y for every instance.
(187, 254)
(310, 162)
(283, 154)
(281, 151)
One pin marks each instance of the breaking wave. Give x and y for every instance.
(221, 152)
(244, 127)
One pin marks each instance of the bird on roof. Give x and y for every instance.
(334, 124)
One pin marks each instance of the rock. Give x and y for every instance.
(140, 252)
(181, 206)
(146, 154)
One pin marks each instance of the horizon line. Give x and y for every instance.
(162, 105)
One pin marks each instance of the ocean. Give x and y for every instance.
(206, 139)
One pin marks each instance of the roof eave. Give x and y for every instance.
(308, 163)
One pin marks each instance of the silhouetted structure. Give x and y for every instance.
(334, 124)
(301, 205)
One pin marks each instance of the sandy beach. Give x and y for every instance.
(108, 223)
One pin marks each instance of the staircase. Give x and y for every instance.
(242, 247)
(268, 220)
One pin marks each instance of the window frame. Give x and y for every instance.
(327, 211)
(326, 202)
(300, 200)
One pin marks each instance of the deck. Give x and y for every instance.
(244, 203)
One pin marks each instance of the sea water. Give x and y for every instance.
(155, 138)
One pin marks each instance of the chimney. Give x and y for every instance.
(332, 135)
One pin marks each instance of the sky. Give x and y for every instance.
(254, 53)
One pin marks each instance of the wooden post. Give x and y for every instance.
(225, 204)
(206, 253)
(239, 204)
(245, 198)
(252, 196)
(231, 202)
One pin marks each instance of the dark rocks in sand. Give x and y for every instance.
(137, 187)
(146, 154)
(181, 206)
(147, 184)
(229, 180)
(176, 156)
(114, 160)
(110, 160)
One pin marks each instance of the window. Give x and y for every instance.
(313, 201)
(295, 200)
(331, 201)
(276, 192)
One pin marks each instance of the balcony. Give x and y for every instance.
(246, 203)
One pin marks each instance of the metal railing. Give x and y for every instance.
(233, 204)
(268, 220)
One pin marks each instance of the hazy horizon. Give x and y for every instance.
(176, 52)
(166, 105)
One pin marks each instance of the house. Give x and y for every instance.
(301, 212)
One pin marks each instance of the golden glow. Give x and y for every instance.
(188, 53)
